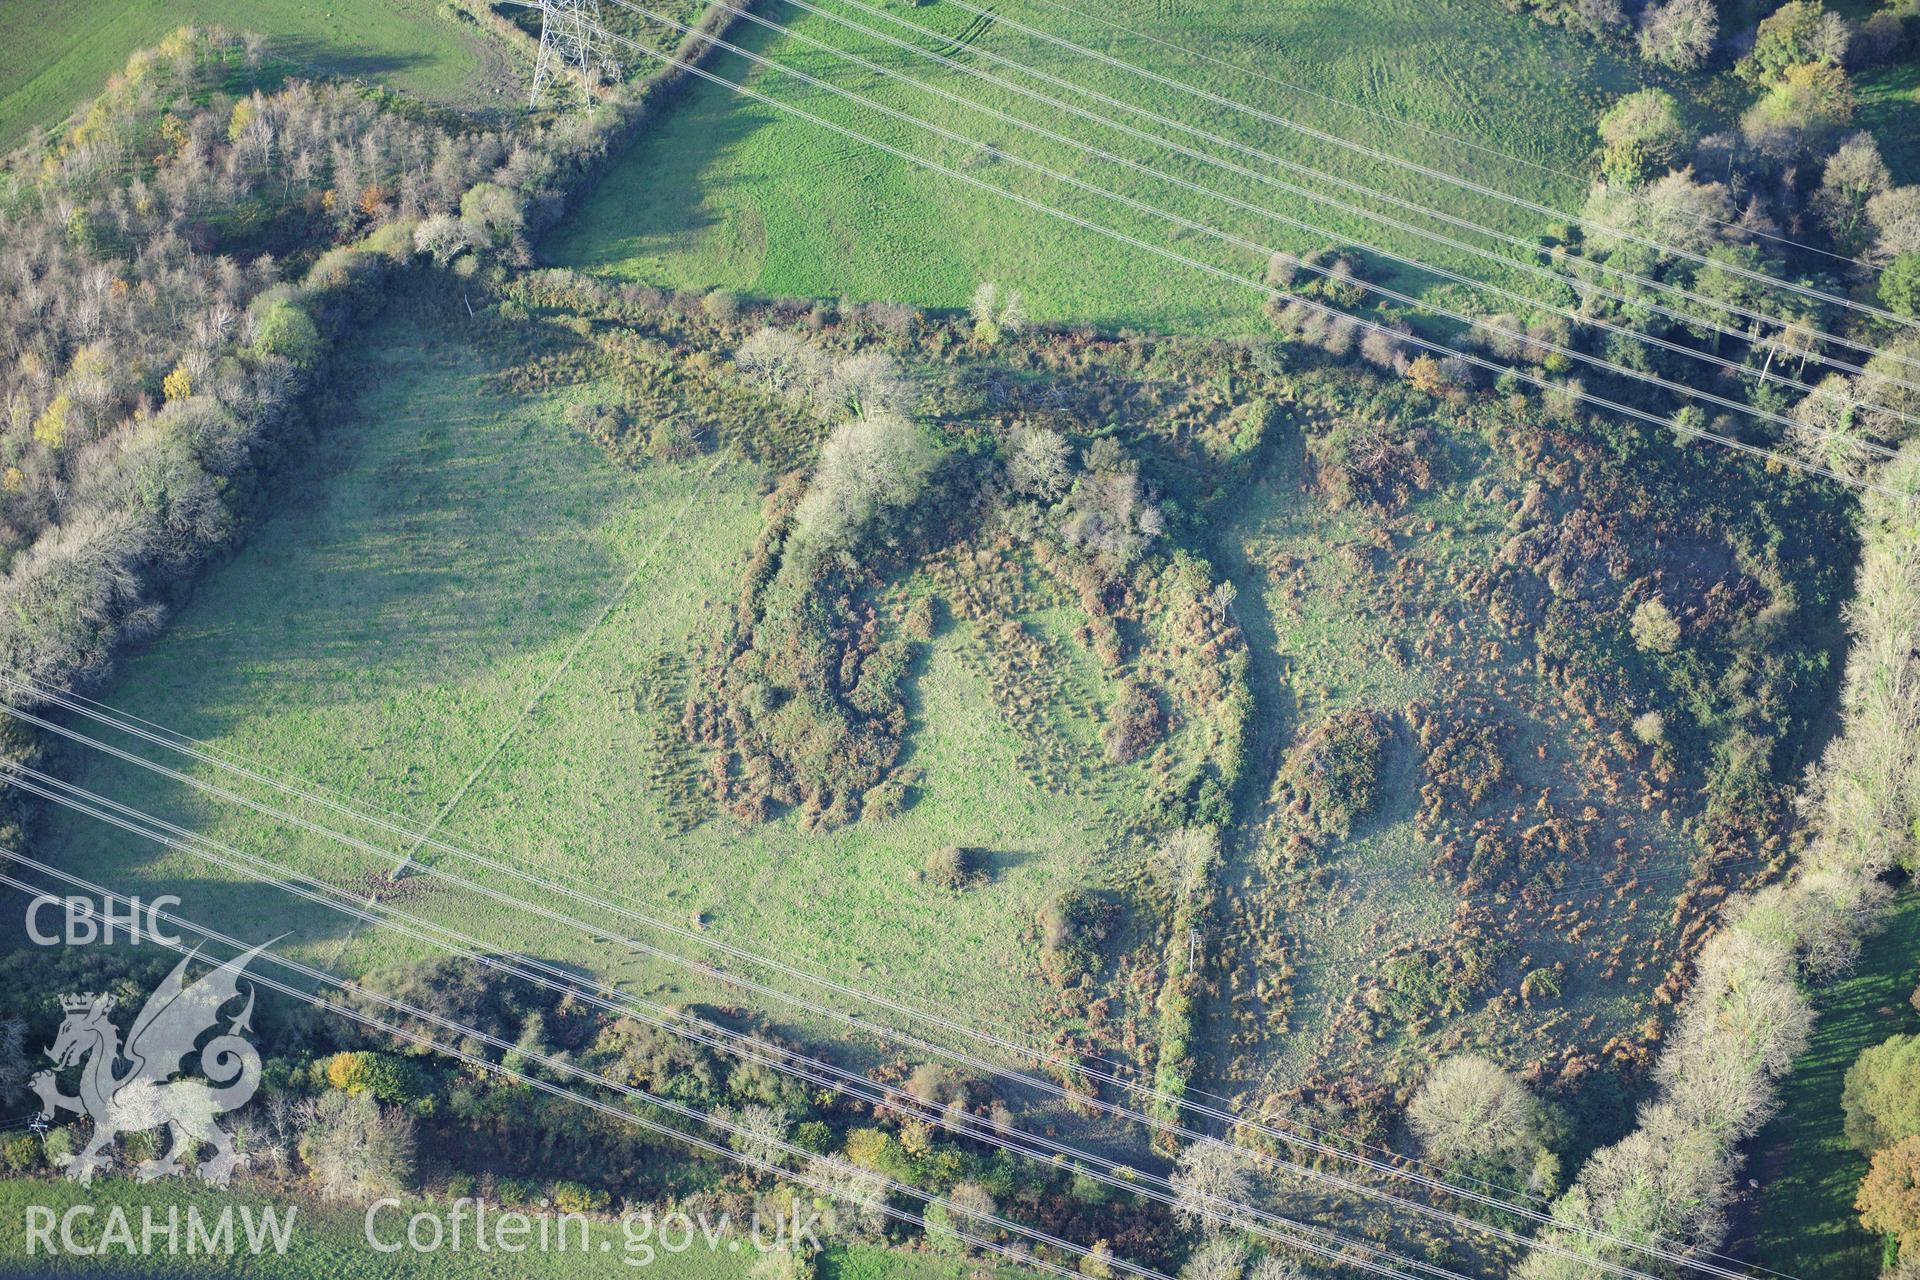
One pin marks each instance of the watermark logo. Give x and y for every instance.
(641, 1238)
(86, 1231)
(79, 921)
(145, 1096)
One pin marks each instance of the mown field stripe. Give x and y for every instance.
(1440, 175)
(1402, 122)
(1417, 264)
(1222, 273)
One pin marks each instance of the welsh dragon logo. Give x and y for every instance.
(145, 1095)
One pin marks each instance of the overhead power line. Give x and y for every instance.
(1265, 252)
(1273, 1227)
(1562, 279)
(1427, 171)
(24, 775)
(159, 830)
(188, 842)
(566, 662)
(1425, 344)
(1404, 122)
(1528, 247)
(1557, 890)
(562, 1066)
(362, 811)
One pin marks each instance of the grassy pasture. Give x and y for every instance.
(379, 635)
(1804, 1219)
(1889, 97)
(54, 56)
(785, 208)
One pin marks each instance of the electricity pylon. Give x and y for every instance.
(567, 29)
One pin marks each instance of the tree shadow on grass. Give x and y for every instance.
(643, 204)
(457, 537)
(298, 57)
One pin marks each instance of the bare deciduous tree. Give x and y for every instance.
(868, 384)
(1469, 1107)
(1676, 209)
(1883, 389)
(1110, 518)
(1824, 426)
(1679, 34)
(1275, 1266)
(1853, 176)
(1220, 1258)
(868, 465)
(1182, 861)
(1209, 1173)
(353, 1147)
(856, 1198)
(996, 312)
(972, 1210)
(783, 362)
(1895, 216)
(1040, 465)
(1654, 628)
(759, 1132)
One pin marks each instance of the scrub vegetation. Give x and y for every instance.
(689, 507)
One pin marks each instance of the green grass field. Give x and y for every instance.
(55, 56)
(784, 207)
(1889, 100)
(1809, 1173)
(450, 546)
(330, 1241)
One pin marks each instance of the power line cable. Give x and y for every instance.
(361, 811)
(560, 669)
(1409, 123)
(1426, 171)
(564, 1067)
(1418, 264)
(1608, 879)
(137, 822)
(1581, 286)
(188, 842)
(1573, 391)
(1529, 247)
(21, 775)
(1271, 1226)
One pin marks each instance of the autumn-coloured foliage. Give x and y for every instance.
(1889, 1199)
